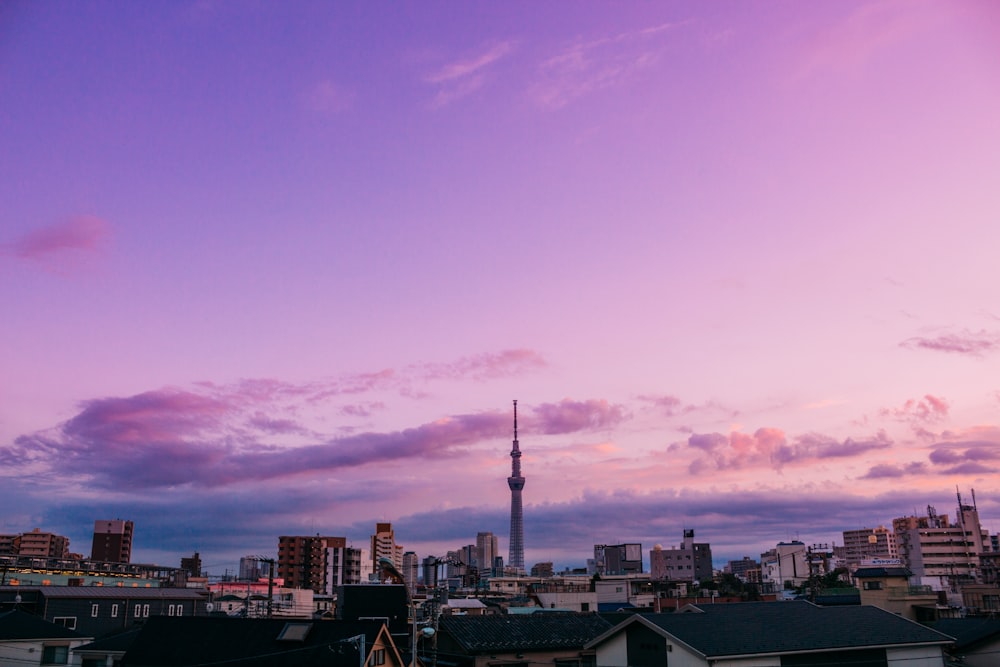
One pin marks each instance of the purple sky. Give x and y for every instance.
(277, 269)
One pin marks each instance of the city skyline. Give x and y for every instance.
(279, 270)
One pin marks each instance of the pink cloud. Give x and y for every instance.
(569, 416)
(891, 471)
(770, 447)
(973, 344)
(489, 365)
(79, 233)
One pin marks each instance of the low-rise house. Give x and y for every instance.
(544, 638)
(889, 588)
(26, 639)
(261, 642)
(769, 634)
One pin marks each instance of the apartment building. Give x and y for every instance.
(867, 545)
(931, 547)
(315, 562)
(112, 541)
(690, 561)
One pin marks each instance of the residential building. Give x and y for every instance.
(192, 565)
(784, 567)
(746, 570)
(691, 561)
(26, 639)
(977, 640)
(38, 544)
(931, 548)
(863, 546)
(618, 558)
(112, 541)
(383, 544)
(889, 588)
(800, 633)
(313, 562)
(94, 611)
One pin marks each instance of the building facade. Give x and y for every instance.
(865, 545)
(112, 541)
(691, 561)
(931, 547)
(383, 544)
(618, 558)
(306, 562)
(38, 544)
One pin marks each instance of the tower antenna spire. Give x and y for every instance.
(516, 484)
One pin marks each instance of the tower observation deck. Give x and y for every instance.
(516, 484)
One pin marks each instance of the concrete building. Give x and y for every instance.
(487, 551)
(746, 570)
(112, 541)
(618, 558)
(784, 567)
(410, 571)
(383, 545)
(37, 544)
(931, 548)
(691, 561)
(313, 562)
(865, 545)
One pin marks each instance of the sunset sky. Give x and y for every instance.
(280, 268)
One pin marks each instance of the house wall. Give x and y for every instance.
(921, 656)
(613, 652)
(30, 652)
(984, 655)
(747, 662)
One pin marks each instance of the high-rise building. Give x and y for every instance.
(112, 541)
(311, 562)
(253, 568)
(487, 549)
(516, 483)
(691, 561)
(409, 571)
(864, 545)
(384, 546)
(430, 566)
(930, 547)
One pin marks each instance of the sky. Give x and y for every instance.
(281, 269)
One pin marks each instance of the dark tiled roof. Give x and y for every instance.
(534, 632)
(18, 625)
(171, 642)
(968, 631)
(789, 627)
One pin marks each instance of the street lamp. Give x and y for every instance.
(389, 568)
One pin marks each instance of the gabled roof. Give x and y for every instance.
(16, 625)
(773, 628)
(968, 632)
(166, 641)
(536, 632)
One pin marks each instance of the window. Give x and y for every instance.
(872, 585)
(145, 610)
(114, 611)
(180, 609)
(68, 622)
(93, 610)
(55, 655)
(138, 610)
(170, 610)
(377, 657)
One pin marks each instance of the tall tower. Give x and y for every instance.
(516, 484)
